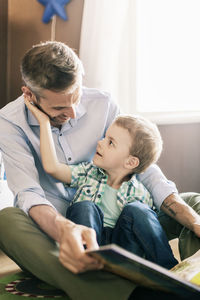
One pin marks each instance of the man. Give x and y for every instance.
(38, 236)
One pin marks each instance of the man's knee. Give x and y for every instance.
(9, 217)
(193, 200)
(16, 227)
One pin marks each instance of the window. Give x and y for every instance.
(168, 56)
(146, 53)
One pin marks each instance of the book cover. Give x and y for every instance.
(145, 273)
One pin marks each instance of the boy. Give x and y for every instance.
(109, 198)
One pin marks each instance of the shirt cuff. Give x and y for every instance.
(161, 193)
(26, 200)
(157, 184)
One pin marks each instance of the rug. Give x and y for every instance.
(21, 286)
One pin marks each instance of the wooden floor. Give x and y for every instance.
(7, 266)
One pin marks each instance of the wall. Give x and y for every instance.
(180, 160)
(3, 49)
(23, 27)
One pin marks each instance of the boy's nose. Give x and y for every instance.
(100, 142)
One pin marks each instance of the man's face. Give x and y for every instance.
(59, 106)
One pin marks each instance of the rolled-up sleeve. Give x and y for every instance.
(157, 184)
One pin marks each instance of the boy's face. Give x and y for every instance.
(113, 150)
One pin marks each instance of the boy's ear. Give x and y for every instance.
(132, 162)
(28, 94)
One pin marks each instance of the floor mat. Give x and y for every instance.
(19, 286)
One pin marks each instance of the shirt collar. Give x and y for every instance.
(132, 181)
(31, 119)
(102, 172)
(80, 111)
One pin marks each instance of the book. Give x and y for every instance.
(145, 273)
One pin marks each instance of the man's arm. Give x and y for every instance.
(176, 208)
(166, 198)
(71, 237)
(23, 180)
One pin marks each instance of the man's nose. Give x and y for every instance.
(71, 112)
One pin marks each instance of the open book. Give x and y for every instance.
(182, 280)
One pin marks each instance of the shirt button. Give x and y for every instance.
(69, 158)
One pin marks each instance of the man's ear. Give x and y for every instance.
(28, 94)
(132, 162)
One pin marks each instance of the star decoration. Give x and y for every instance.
(54, 7)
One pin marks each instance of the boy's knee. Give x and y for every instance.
(83, 209)
(80, 207)
(82, 204)
(136, 209)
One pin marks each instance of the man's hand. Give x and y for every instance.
(72, 239)
(70, 236)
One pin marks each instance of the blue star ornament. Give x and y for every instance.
(54, 7)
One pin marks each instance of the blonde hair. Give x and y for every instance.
(146, 140)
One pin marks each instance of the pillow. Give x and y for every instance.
(6, 196)
(2, 170)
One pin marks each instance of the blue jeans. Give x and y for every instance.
(137, 230)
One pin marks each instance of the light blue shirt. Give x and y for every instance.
(75, 142)
(109, 207)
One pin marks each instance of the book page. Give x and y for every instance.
(189, 269)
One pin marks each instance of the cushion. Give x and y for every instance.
(6, 196)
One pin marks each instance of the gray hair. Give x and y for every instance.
(51, 65)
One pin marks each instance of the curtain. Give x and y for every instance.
(107, 48)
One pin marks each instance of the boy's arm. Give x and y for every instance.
(50, 161)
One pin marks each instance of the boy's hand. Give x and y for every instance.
(38, 114)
